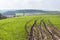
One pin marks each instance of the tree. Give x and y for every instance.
(0, 15)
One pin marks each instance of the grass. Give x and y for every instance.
(13, 28)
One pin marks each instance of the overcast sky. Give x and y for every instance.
(30, 4)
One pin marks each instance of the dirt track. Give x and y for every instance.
(43, 31)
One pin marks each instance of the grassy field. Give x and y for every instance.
(13, 28)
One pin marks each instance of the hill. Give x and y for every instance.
(12, 12)
(14, 28)
(9, 13)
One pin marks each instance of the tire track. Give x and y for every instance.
(43, 31)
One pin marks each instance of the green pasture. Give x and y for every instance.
(14, 28)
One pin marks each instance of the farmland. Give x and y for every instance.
(14, 28)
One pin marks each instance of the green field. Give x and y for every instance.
(13, 28)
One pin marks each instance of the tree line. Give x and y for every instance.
(2, 17)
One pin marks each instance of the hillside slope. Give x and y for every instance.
(13, 28)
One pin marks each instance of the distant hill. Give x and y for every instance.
(9, 13)
(30, 11)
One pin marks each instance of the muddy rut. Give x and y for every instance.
(43, 31)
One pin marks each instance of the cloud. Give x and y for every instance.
(45, 4)
(30, 4)
(13, 4)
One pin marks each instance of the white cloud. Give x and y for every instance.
(13, 4)
(46, 4)
(27, 4)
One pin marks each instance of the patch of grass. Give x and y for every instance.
(14, 28)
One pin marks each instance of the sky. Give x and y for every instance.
(30, 4)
